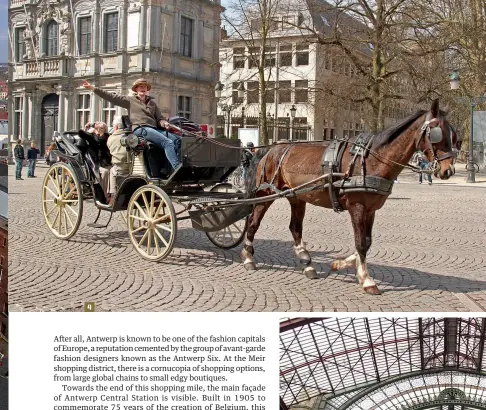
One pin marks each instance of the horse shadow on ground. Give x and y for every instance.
(277, 256)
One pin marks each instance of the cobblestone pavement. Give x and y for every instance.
(428, 255)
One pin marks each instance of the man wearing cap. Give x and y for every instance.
(145, 117)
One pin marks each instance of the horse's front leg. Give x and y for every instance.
(297, 208)
(253, 224)
(362, 222)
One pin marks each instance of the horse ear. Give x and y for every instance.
(434, 110)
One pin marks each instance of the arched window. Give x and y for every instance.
(51, 39)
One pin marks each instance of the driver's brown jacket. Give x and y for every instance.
(140, 113)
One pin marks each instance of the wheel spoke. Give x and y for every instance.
(141, 210)
(72, 210)
(149, 241)
(139, 229)
(157, 248)
(143, 237)
(161, 238)
(54, 182)
(52, 209)
(152, 204)
(68, 217)
(60, 220)
(146, 205)
(137, 218)
(50, 190)
(164, 228)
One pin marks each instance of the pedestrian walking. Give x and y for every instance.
(19, 159)
(32, 154)
(423, 163)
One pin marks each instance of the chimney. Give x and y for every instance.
(224, 33)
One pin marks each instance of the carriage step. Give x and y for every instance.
(93, 225)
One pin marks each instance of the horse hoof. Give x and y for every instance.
(310, 273)
(250, 266)
(372, 290)
(305, 259)
(335, 266)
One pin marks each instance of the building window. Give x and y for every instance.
(301, 92)
(254, 57)
(270, 95)
(302, 54)
(300, 128)
(83, 109)
(111, 32)
(235, 98)
(18, 107)
(84, 35)
(286, 56)
(184, 106)
(238, 58)
(51, 39)
(20, 49)
(186, 37)
(270, 57)
(109, 111)
(284, 92)
(253, 88)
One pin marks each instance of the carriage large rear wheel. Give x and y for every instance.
(233, 234)
(62, 200)
(152, 222)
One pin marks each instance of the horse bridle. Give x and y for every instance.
(426, 131)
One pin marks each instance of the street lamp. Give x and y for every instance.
(473, 102)
(454, 80)
(227, 108)
(293, 110)
(217, 90)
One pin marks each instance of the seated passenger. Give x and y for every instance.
(119, 158)
(96, 135)
(145, 117)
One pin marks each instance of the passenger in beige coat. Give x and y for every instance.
(119, 157)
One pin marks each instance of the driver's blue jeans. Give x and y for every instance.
(169, 143)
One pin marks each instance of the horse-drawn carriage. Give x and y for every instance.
(147, 194)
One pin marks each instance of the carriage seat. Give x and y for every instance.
(156, 162)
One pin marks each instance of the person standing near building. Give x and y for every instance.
(19, 159)
(423, 163)
(32, 154)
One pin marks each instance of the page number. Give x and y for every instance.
(89, 306)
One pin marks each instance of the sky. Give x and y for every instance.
(4, 32)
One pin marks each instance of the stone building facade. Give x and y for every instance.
(174, 44)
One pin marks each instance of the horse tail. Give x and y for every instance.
(250, 179)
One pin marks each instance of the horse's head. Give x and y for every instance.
(437, 140)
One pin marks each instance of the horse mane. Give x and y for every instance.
(388, 135)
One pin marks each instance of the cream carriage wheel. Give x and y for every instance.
(152, 223)
(233, 234)
(62, 200)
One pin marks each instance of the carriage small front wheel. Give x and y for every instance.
(152, 222)
(62, 200)
(233, 234)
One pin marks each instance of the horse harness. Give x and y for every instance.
(331, 162)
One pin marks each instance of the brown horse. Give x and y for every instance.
(284, 167)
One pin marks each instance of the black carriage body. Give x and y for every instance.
(205, 162)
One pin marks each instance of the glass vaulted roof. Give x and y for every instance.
(383, 363)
